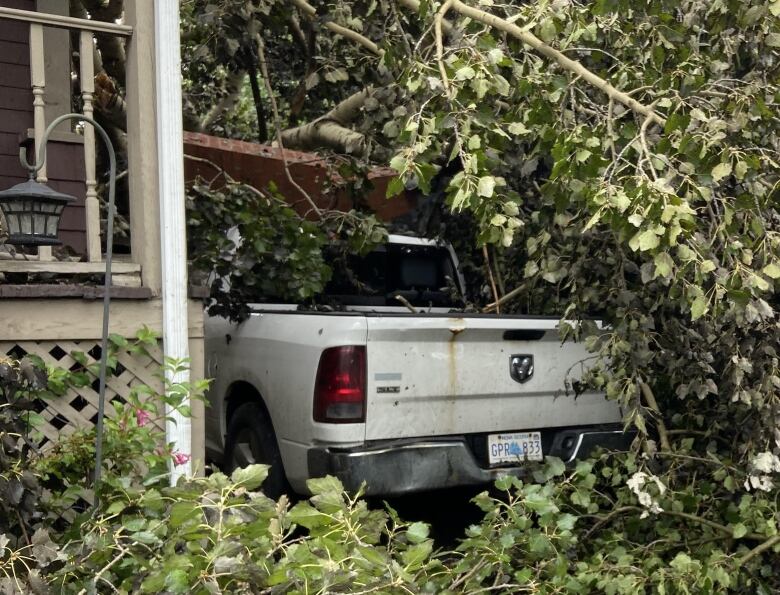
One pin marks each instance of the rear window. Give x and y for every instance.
(423, 275)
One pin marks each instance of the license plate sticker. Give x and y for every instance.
(515, 447)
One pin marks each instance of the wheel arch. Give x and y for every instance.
(240, 393)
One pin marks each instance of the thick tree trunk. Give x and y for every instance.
(111, 47)
(324, 133)
(331, 129)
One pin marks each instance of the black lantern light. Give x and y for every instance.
(32, 213)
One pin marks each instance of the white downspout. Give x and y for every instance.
(178, 429)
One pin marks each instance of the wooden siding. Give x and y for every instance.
(65, 160)
(16, 98)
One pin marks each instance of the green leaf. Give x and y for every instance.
(554, 467)
(501, 85)
(464, 73)
(540, 503)
(390, 129)
(531, 268)
(592, 221)
(685, 253)
(394, 188)
(155, 582)
(418, 532)
(250, 477)
(720, 171)
(773, 40)
(583, 155)
(621, 200)
(324, 485)
(306, 515)
(414, 557)
(648, 240)
(177, 581)
(774, 8)
(683, 563)
(699, 307)
(145, 537)
(772, 271)
(663, 265)
(183, 511)
(547, 30)
(495, 55)
(566, 522)
(486, 186)
(707, 266)
(740, 530)
(134, 524)
(118, 340)
(518, 128)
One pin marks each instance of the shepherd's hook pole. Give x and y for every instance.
(34, 169)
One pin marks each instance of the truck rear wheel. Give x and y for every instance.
(250, 440)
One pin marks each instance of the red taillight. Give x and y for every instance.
(340, 389)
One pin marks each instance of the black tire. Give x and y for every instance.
(251, 439)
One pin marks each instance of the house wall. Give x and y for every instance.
(16, 100)
(65, 156)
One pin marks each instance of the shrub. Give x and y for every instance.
(685, 519)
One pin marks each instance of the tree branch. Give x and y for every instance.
(562, 60)
(111, 47)
(414, 6)
(503, 299)
(109, 102)
(759, 549)
(492, 280)
(311, 13)
(278, 125)
(262, 127)
(437, 27)
(683, 515)
(233, 84)
(330, 130)
(649, 397)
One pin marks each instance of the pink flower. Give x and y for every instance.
(179, 458)
(142, 417)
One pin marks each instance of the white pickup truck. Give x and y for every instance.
(372, 392)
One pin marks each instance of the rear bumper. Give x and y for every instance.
(397, 468)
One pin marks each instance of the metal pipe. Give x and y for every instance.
(33, 169)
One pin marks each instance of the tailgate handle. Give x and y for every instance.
(523, 335)
(521, 367)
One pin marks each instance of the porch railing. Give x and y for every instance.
(85, 29)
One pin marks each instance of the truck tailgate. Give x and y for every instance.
(434, 375)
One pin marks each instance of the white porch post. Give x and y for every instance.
(172, 215)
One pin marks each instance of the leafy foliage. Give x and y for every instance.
(19, 487)
(675, 522)
(255, 244)
(664, 225)
(255, 247)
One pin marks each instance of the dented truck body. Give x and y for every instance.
(405, 401)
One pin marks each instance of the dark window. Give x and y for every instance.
(423, 275)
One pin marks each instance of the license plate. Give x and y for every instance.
(515, 447)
